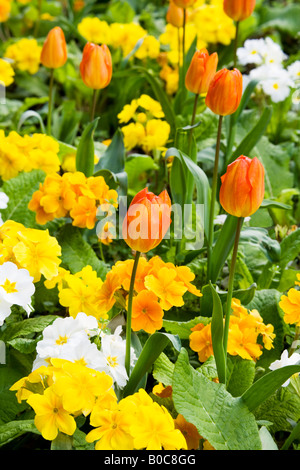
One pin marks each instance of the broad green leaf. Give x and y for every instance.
(206, 301)
(284, 18)
(14, 429)
(240, 375)
(217, 332)
(163, 370)
(136, 167)
(259, 237)
(26, 327)
(153, 347)
(85, 155)
(264, 387)
(290, 248)
(223, 420)
(183, 329)
(78, 253)
(20, 190)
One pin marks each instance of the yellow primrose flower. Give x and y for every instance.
(134, 134)
(79, 387)
(51, 416)
(26, 55)
(153, 429)
(290, 305)
(94, 30)
(157, 134)
(167, 289)
(151, 105)
(6, 73)
(128, 112)
(112, 429)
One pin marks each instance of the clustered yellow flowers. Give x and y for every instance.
(120, 36)
(148, 129)
(25, 55)
(27, 153)
(64, 390)
(244, 330)
(32, 249)
(72, 194)
(158, 287)
(207, 22)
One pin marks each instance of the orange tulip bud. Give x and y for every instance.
(96, 66)
(54, 51)
(175, 15)
(147, 220)
(184, 3)
(239, 10)
(225, 92)
(243, 187)
(201, 71)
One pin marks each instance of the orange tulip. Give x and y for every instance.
(201, 71)
(54, 51)
(243, 187)
(96, 66)
(175, 15)
(225, 92)
(147, 220)
(184, 3)
(239, 10)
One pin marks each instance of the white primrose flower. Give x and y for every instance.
(16, 286)
(285, 360)
(278, 86)
(5, 310)
(252, 52)
(63, 334)
(113, 348)
(294, 71)
(3, 200)
(272, 53)
(85, 353)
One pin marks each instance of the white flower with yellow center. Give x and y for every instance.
(252, 52)
(16, 285)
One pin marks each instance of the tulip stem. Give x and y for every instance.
(94, 103)
(193, 121)
(231, 281)
(183, 43)
(213, 199)
(129, 313)
(49, 122)
(236, 43)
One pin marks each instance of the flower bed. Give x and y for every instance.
(149, 225)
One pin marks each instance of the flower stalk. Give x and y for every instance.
(213, 198)
(129, 312)
(50, 103)
(231, 282)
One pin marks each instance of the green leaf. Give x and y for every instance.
(286, 19)
(264, 387)
(240, 375)
(183, 329)
(136, 166)
(267, 440)
(217, 335)
(85, 155)
(26, 327)
(223, 420)
(180, 189)
(249, 142)
(290, 248)
(223, 246)
(153, 347)
(259, 237)
(20, 190)
(206, 301)
(14, 429)
(112, 163)
(163, 370)
(78, 253)
(30, 114)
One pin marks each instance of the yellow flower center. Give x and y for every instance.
(62, 340)
(253, 52)
(55, 410)
(276, 86)
(112, 361)
(9, 287)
